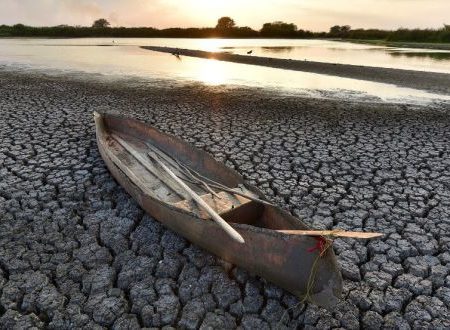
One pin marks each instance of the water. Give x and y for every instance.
(124, 58)
(298, 49)
(357, 54)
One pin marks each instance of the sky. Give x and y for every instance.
(315, 15)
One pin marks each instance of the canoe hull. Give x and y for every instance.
(286, 260)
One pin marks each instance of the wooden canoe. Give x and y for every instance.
(296, 263)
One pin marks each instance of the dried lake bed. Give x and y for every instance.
(77, 251)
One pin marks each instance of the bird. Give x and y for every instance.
(177, 55)
(249, 52)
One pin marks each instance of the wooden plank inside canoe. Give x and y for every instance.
(221, 205)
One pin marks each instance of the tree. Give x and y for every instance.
(335, 31)
(340, 31)
(279, 29)
(225, 23)
(101, 23)
(345, 29)
(19, 26)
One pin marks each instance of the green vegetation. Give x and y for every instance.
(227, 28)
(441, 35)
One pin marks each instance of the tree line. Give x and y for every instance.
(227, 28)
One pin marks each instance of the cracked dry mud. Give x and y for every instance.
(76, 251)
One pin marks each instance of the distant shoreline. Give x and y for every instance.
(430, 81)
(227, 28)
(399, 44)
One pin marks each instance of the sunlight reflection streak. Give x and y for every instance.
(213, 73)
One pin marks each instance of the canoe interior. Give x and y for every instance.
(150, 143)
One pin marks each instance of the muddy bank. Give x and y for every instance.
(77, 252)
(430, 81)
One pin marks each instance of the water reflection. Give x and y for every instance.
(212, 73)
(277, 49)
(438, 56)
(126, 59)
(209, 45)
(426, 60)
(301, 49)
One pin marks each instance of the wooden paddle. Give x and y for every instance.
(335, 233)
(149, 166)
(216, 217)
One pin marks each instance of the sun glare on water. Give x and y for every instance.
(212, 72)
(212, 45)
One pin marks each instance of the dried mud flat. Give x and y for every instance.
(77, 252)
